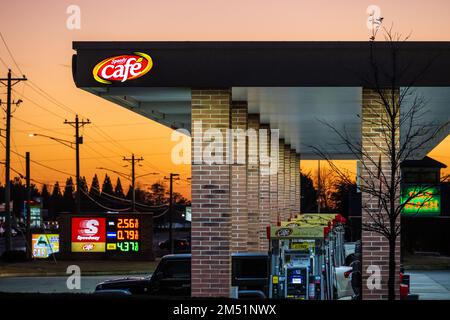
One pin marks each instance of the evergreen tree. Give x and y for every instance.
(83, 184)
(56, 193)
(68, 203)
(55, 200)
(118, 190)
(94, 191)
(45, 196)
(85, 202)
(94, 195)
(107, 186)
(129, 193)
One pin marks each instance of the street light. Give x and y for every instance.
(72, 145)
(67, 143)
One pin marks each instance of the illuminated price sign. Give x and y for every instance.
(123, 234)
(421, 201)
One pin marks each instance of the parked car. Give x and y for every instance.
(172, 278)
(343, 282)
(343, 274)
(14, 231)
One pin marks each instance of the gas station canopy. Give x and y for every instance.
(297, 87)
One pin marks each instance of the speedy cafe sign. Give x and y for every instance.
(122, 68)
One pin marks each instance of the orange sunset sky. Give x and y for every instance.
(42, 47)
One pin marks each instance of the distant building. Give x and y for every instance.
(426, 230)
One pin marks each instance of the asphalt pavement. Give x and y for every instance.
(52, 284)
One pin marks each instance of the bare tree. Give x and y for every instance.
(326, 180)
(396, 110)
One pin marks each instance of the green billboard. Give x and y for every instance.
(421, 200)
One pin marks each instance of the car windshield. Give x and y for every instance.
(176, 269)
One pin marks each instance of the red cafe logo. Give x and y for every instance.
(122, 68)
(283, 232)
(88, 247)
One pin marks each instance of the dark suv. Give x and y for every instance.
(172, 277)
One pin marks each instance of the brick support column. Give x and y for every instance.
(253, 182)
(294, 171)
(297, 183)
(211, 217)
(239, 210)
(264, 186)
(281, 175)
(375, 247)
(287, 180)
(273, 180)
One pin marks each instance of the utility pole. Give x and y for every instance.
(133, 161)
(28, 207)
(10, 82)
(77, 124)
(170, 210)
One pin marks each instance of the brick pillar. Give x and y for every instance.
(239, 211)
(253, 182)
(211, 218)
(273, 180)
(375, 247)
(264, 186)
(281, 175)
(287, 180)
(294, 171)
(297, 182)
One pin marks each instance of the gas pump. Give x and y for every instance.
(304, 252)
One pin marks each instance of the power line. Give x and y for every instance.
(127, 200)
(38, 163)
(160, 215)
(38, 105)
(20, 160)
(101, 205)
(39, 127)
(10, 54)
(4, 63)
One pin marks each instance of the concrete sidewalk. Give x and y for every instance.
(430, 285)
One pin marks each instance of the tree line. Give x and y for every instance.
(335, 195)
(95, 197)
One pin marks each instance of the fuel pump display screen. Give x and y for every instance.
(123, 234)
(296, 286)
(296, 280)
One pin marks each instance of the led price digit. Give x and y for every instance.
(123, 246)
